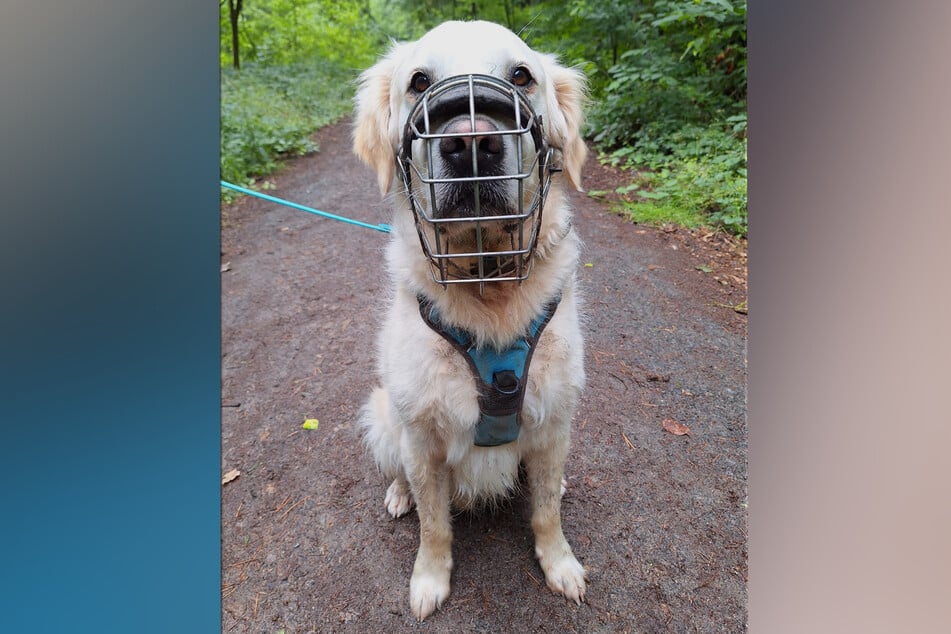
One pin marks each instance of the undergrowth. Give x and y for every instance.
(695, 176)
(270, 113)
(672, 109)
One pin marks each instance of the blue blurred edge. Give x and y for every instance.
(109, 328)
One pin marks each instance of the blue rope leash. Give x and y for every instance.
(385, 228)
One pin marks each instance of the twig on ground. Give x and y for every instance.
(629, 443)
(294, 505)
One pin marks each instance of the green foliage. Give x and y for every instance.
(278, 32)
(686, 65)
(299, 61)
(675, 102)
(668, 87)
(590, 33)
(692, 192)
(271, 112)
(667, 78)
(699, 174)
(408, 19)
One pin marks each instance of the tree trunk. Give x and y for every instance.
(234, 10)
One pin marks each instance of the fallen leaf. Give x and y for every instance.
(704, 268)
(228, 477)
(677, 429)
(588, 264)
(740, 308)
(310, 423)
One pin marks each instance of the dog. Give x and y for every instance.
(481, 132)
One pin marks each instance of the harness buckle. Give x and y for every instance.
(505, 381)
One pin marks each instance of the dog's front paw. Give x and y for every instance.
(427, 591)
(565, 576)
(398, 500)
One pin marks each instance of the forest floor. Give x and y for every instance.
(658, 519)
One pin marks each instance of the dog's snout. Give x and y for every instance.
(457, 150)
(467, 140)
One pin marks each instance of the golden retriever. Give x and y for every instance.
(473, 123)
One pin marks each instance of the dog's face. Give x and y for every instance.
(484, 109)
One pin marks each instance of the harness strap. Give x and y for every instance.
(500, 375)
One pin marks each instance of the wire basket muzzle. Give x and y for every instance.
(478, 180)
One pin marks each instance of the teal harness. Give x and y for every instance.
(500, 375)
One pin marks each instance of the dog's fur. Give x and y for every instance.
(419, 424)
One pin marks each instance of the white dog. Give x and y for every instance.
(480, 355)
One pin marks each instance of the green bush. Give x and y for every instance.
(299, 59)
(270, 113)
(675, 103)
(697, 177)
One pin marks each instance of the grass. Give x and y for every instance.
(657, 214)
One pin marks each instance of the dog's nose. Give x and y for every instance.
(457, 150)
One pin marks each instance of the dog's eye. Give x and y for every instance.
(419, 82)
(521, 77)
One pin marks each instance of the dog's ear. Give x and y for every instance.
(566, 93)
(375, 133)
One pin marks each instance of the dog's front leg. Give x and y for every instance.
(563, 573)
(429, 480)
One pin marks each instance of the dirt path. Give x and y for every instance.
(659, 520)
